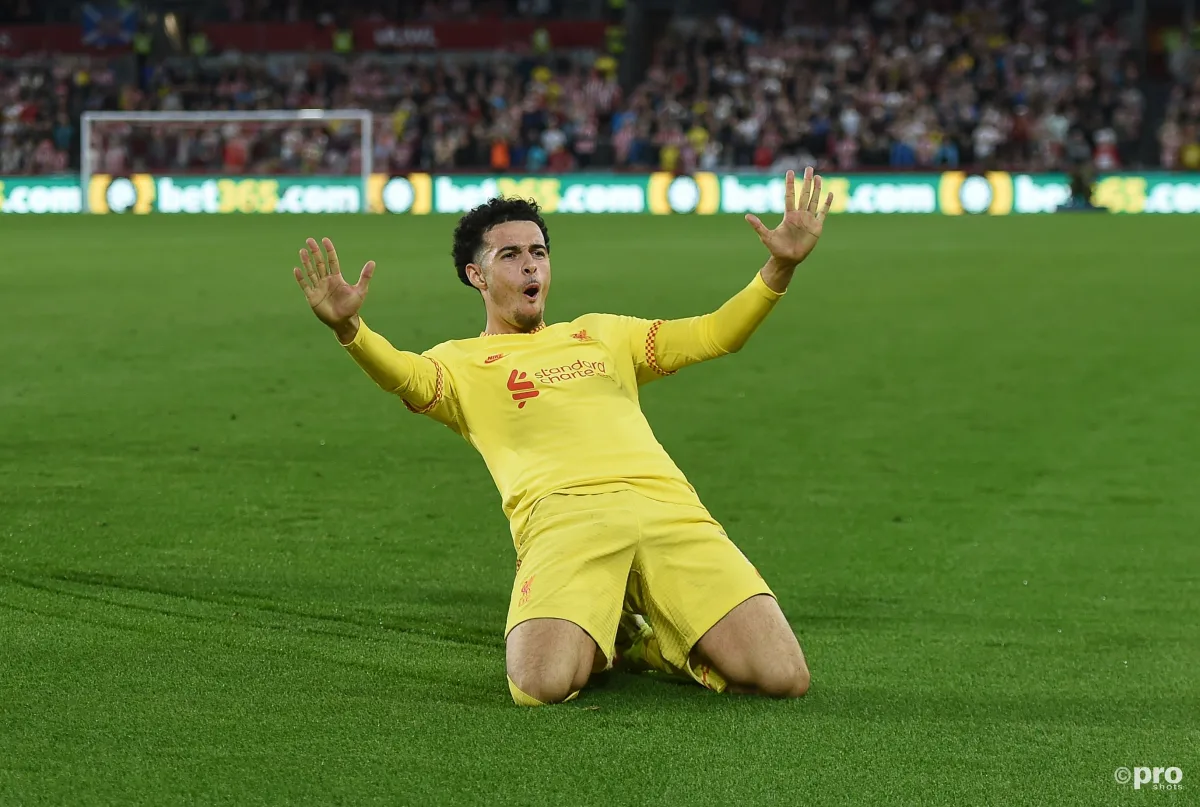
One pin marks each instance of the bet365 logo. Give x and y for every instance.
(522, 390)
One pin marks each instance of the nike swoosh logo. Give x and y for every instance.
(497, 357)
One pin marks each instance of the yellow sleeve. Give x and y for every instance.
(421, 381)
(663, 347)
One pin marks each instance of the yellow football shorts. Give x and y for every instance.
(581, 555)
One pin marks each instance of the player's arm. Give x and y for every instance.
(670, 345)
(419, 380)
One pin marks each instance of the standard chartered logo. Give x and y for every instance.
(750, 196)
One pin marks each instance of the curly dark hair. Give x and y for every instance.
(468, 235)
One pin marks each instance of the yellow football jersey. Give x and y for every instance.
(557, 410)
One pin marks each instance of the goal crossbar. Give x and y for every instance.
(363, 116)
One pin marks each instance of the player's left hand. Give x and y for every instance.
(803, 220)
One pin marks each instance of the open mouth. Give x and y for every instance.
(532, 290)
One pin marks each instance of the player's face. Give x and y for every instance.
(515, 270)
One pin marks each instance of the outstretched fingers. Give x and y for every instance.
(310, 269)
(335, 268)
(318, 257)
(758, 226)
(301, 279)
(364, 279)
(806, 190)
(789, 192)
(815, 198)
(828, 204)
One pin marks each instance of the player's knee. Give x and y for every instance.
(544, 687)
(551, 680)
(789, 680)
(548, 661)
(800, 682)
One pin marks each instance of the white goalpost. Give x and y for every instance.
(362, 116)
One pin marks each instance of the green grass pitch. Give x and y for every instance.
(965, 453)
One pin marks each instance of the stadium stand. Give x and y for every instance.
(1179, 134)
(887, 85)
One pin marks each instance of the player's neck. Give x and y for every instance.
(499, 327)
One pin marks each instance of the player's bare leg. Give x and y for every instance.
(549, 660)
(755, 651)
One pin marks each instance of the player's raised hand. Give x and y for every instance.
(803, 220)
(333, 300)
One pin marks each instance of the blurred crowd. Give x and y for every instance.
(392, 10)
(1179, 135)
(51, 11)
(988, 84)
(502, 112)
(38, 120)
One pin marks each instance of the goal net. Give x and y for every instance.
(265, 161)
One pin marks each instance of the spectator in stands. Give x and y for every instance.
(1170, 141)
(1189, 155)
(585, 132)
(535, 157)
(1177, 137)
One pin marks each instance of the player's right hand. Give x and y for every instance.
(332, 299)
